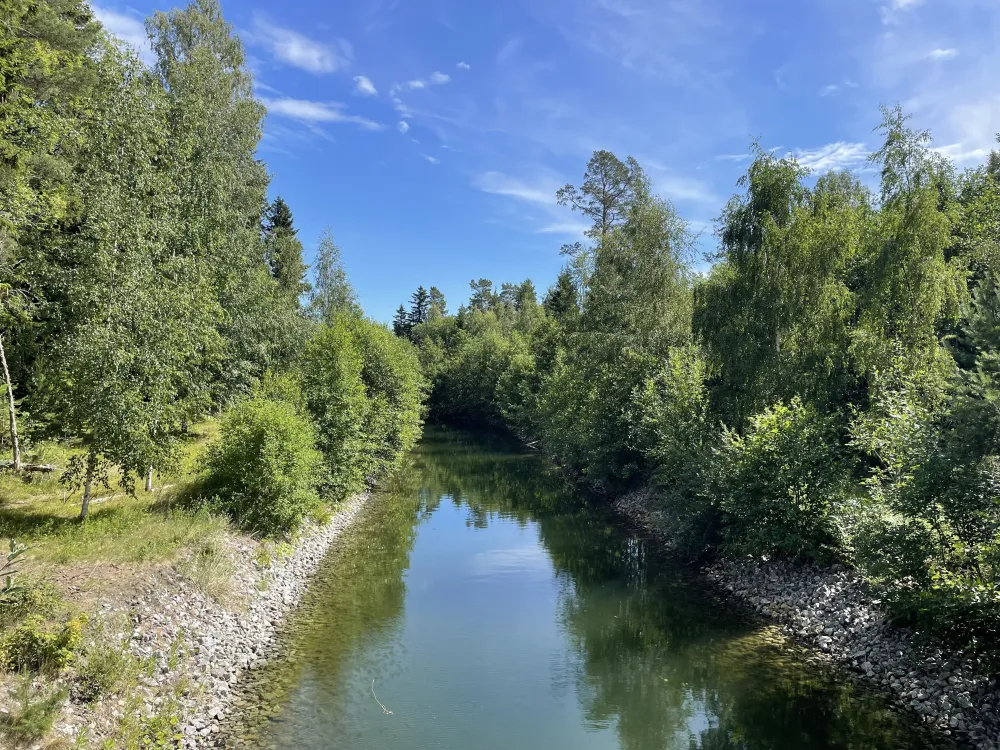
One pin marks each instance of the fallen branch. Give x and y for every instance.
(30, 467)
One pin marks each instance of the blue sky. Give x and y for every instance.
(431, 135)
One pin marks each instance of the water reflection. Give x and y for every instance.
(495, 610)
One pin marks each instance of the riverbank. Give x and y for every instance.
(833, 610)
(164, 645)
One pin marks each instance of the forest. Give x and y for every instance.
(148, 284)
(823, 387)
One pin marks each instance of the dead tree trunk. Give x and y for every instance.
(12, 409)
(149, 479)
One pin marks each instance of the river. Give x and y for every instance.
(477, 604)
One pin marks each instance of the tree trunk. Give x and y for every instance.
(149, 480)
(88, 484)
(12, 409)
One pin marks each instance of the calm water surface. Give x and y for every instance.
(495, 611)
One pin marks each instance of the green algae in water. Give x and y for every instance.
(495, 610)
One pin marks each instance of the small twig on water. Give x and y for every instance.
(384, 709)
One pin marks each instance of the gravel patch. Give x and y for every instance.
(834, 610)
(203, 648)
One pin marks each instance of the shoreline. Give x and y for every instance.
(832, 610)
(199, 648)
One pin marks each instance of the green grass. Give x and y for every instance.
(150, 527)
(34, 713)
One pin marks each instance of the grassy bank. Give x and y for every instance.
(57, 640)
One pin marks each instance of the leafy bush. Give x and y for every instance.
(928, 532)
(34, 713)
(674, 432)
(394, 387)
(364, 389)
(35, 645)
(782, 482)
(330, 371)
(264, 469)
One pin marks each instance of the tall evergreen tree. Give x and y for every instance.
(420, 306)
(401, 323)
(483, 297)
(283, 251)
(439, 307)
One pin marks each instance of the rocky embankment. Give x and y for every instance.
(202, 647)
(833, 610)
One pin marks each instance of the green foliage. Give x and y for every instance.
(674, 431)
(330, 369)
(265, 467)
(364, 390)
(35, 712)
(781, 484)
(35, 645)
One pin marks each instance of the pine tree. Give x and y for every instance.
(420, 306)
(439, 308)
(283, 250)
(483, 297)
(401, 323)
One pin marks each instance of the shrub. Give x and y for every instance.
(674, 433)
(782, 482)
(928, 530)
(34, 713)
(330, 372)
(264, 469)
(35, 645)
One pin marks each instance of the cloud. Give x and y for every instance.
(839, 155)
(498, 183)
(364, 87)
(126, 28)
(400, 107)
(509, 49)
(431, 159)
(892, 9)
(300, 51)
(434, 79)
(403, 127)
(835, 88)
(464, 66)
(962, 155)
(316, 112)
(565, 227)
(941, 54)
(733, 157)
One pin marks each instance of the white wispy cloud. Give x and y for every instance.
(300, 51)
(839, 155)
(403, 127)
(498, 183)
(363, 86)
(733, 157)
(963, 155)
(942, 54)
(539, 193)
(430, 159)
(436, 78)
(892, 9)
(404, 111)
(127, 28)
(317, 112)
(836, 88)
(464, 66)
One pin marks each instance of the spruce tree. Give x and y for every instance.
(420, 306)
(401, 323)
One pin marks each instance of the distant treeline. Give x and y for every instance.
(830, 389)
(146, 280)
